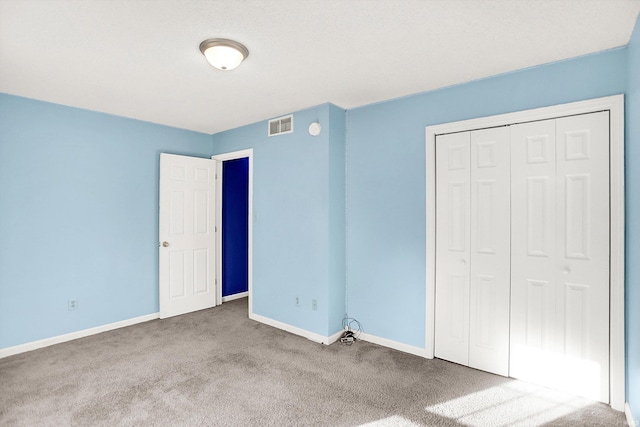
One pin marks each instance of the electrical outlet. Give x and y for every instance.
(297, 301)
(73, 304)
(314, 305)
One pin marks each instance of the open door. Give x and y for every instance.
(187, 234)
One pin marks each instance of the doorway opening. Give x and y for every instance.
(234, 222)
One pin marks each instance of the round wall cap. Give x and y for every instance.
(314, 129)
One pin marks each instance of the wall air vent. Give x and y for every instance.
(280, 125)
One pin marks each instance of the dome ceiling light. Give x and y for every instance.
(224, 54)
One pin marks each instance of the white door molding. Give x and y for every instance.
(613, 104)
(222, 158)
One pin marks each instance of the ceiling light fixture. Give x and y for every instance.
(224, 54)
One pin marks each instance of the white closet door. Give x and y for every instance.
(490, 251)
(472, 260)
(452, 247)
(533, 250)
(583, 254)
(560, 254)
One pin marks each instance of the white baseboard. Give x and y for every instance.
(34, 345)
(312, 336)
(235, 296)
(627, 412)
(406, 348)
(335, 337)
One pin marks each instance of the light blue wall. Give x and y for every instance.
(78, 216)
(294, 201)
(337, 216)
(386, 179)
(632, 182)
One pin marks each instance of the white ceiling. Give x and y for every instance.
(140, 58)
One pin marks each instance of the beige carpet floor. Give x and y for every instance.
(218, 368)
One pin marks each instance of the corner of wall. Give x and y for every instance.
(632, 246)
(337, 219)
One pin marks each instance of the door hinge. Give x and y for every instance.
(215, 228)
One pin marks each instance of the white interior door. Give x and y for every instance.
(490, 249)
(452, 247)
(187, 234)
(472, 249)
(533, 249)
(560, 254)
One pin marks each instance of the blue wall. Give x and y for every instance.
(78, 216)
(235, 226)
(632, 182)
(337, 217)
(386, 179)
(295, 201)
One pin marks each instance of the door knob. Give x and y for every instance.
(165, 244)
(463, 261)
(567, 270)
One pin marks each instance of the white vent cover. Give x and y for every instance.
(280, 125)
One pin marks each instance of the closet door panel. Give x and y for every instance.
(452, 246)
(533, 250)
(489, 251)
(583, 253)
(560, 254)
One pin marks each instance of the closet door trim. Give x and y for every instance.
(613, 104)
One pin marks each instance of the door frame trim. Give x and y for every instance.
(615, 105)
(220, 158)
